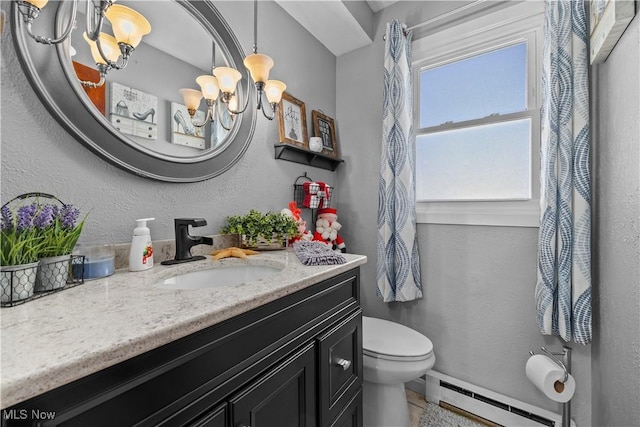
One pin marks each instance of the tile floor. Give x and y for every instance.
(417, 403)
(445, 418)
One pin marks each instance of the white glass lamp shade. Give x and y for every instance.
(209, 86)
(191, 98)
(109, 48)
(128, 25)
(38, 3)
(228, 78)
(259, 66)
(274, 89)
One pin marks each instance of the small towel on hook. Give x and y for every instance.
(317, 253)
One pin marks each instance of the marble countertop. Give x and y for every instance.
(59, 338)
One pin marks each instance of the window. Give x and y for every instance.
(477, 120)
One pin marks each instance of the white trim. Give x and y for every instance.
(521, 22)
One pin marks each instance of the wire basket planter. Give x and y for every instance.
(24, 282)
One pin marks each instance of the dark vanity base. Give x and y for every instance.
(282, 364)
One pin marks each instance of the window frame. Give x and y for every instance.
(509, 26)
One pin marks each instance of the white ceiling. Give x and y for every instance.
(378, 5)
(332, 23)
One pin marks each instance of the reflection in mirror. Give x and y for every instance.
(142, 101)
(148, 88)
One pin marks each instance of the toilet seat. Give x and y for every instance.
(387, 340)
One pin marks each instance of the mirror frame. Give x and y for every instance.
(48, 69)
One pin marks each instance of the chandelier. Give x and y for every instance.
(218, 88)
(108, 52)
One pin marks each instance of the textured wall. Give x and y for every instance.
(616, 348)
(39, 155)
(478, 306)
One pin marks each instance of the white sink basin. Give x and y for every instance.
(217, 277)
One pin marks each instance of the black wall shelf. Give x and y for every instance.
(295, 154)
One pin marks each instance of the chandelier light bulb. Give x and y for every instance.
(128, 25)
(38, 3)
(259, 66)
(191, 98)
(228, 78)
(273, 89)
(109, 47)
(209, 86)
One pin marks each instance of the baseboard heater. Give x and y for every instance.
(538, 419)
(487, 404)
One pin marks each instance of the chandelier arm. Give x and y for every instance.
(125, 52)
(95, 18)
(211, 106)
(93, 85)
(220, 118)
(29, 13)
(263, 107)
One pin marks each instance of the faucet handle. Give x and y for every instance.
(195, 222)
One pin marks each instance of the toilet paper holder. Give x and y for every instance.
(566, 354)
(565, 363)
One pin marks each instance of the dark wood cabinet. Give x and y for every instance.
(296, 361)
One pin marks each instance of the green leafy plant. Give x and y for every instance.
(256, 225)
(20, 240)
(60, 229)
(36, 230)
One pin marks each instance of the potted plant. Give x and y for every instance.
(60, 230)
(20, 245)
(262, 231)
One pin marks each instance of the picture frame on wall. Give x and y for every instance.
(608, 20)
(292, 121)
(324, 127)
(183, 132)
(133, 112)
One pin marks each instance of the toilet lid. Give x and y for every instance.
(382, 338)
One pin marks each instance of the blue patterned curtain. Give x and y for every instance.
(563, 289)
(398, 264)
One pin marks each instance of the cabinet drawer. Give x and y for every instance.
(340, 366)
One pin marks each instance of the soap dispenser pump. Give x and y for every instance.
(141, 252)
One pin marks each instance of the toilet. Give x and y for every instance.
(392, 355)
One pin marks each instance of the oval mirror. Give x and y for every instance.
(137, 119)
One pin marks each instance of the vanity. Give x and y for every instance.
(281, 351)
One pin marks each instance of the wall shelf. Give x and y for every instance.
(296, 154)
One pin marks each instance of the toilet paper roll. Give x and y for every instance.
(547, 375)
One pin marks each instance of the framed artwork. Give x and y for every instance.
(133, 112)
(324, 127)
(608, 20)
(292, 121)
(182, 131)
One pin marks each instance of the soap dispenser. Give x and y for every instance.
(141, 252)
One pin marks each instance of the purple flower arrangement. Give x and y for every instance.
(36, 231)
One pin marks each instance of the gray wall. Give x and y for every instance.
(478, 282)
(39, 155)
(616, 347)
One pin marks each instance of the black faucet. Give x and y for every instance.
(185, 241)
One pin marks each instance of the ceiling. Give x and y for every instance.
(340, 25)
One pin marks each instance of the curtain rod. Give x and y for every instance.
(439, 17)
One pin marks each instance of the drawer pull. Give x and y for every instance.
(346, 364)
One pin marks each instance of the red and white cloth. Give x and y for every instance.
(316, 195)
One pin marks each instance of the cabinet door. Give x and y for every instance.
(215, 418)
(284, 397)
(340, 366)
(352, 414)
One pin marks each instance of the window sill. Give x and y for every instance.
(511, 217)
